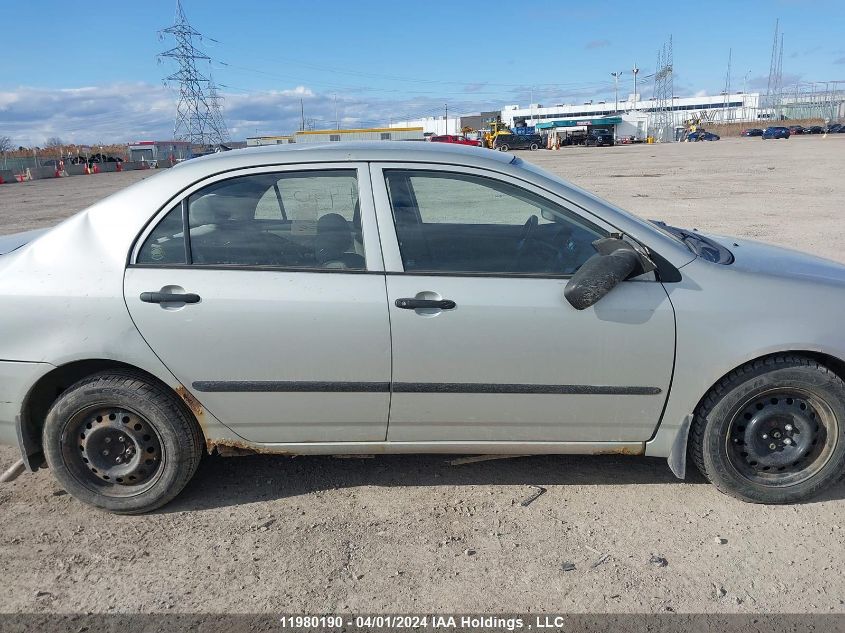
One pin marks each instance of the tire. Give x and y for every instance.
(503, 148)
(534, 147)
(772, 431)
(117, 441)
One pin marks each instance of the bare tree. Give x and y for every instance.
(54, 146)
(5, 147)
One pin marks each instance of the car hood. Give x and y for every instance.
(761, 258)
(9, 243)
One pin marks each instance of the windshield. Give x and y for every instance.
(706, 248)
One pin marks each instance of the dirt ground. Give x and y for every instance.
(416, 534)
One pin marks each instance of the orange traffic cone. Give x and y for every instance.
(119, 167)
(86, 170)
(96, 168)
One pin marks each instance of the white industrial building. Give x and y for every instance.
(432, 125)
(636, 112)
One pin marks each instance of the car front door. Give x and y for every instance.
(485, 347)
(272, 312)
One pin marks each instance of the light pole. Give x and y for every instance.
(616, 90)
(635, 71)
(447, 118)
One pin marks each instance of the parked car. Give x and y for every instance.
(835, 128)
(815, 129)
(457, 140)
(443, 299)
(702, 136)
(775, 132)
(753, 131)
(599, 138)
(797, 129)
(506, 142)
(104, 158)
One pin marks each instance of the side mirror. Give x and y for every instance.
(615, 261)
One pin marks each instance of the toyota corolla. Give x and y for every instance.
(408, 298)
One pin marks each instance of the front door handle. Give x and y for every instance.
(416, 304)
(169, 297)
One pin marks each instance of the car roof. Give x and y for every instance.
(351, 151)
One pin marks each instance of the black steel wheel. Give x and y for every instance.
(780, 438)
(118, 451)
(122, 442)
(772, 431)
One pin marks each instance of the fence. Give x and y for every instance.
(8, 176)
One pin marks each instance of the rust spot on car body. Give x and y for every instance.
(621, 450)
(193, 404)
(238, 448)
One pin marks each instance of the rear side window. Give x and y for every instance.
(166, 244)
(305, 219)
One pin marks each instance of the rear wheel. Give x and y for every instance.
(503, 148)
(534, 147)
(121, 442)
(772, 431)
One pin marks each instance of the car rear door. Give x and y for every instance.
(485, 347)
(273, 312)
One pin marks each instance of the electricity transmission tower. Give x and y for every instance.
(198, 116)
(728, 111)
(662, 122)
(772, 102)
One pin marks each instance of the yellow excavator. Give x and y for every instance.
(496, 128)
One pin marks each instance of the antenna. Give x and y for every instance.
(198, 116)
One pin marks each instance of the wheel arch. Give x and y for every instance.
(835, 364)
(679, 441)
(51, 385)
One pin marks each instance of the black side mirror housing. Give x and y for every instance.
(615, 261)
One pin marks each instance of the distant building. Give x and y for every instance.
(252, 141)
(709, 109)
(146, 151)
(362, 134)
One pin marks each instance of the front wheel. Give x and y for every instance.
(120, 442)
(772, 431)
(534, 147)
(503, 148)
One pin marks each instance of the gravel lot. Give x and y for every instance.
(415, 534)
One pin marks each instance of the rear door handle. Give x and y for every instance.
(169, 297)
(416, 304)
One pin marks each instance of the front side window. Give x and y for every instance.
(307, 219)
(462, 223)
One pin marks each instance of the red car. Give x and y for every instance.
(459, 140)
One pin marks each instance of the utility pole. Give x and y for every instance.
(616, 90)
(301, 115)
(635, 71)
(336, 119)
(447, 118)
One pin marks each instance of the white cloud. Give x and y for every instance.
(135, 111)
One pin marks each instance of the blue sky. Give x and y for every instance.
(88, 72)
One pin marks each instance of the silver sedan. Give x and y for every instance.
(408, 297)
